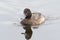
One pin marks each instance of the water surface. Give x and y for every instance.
(12, 10)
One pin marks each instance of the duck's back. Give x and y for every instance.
(37, 18)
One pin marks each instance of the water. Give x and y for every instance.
(11, 12)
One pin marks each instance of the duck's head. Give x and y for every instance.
(27, 13)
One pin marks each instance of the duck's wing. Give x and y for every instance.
(36, 16)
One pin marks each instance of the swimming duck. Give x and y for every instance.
(32, 19)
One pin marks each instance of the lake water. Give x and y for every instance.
(11, 12)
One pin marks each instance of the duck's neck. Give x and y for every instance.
(28, 17)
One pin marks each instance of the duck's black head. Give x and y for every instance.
(27, 13)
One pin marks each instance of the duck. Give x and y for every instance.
(32, 19)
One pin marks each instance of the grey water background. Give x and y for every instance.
(12, 10)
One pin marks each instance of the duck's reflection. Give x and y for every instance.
(28, 32)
